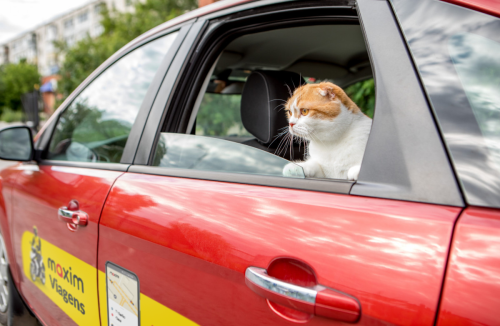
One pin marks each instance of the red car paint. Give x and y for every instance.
(38, 193)
(472, 285)
(390, 255)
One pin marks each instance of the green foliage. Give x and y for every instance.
(219, 115)
(15, 80)
(119, 29)
(363, 94)
(9, 115)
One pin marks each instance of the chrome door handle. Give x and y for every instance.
(78, 217)
(317, 300)
(73, 217)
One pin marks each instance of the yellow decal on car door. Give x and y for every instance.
(72, 285)
(68, 281)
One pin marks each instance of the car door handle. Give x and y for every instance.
(317, 300)
(74, 219)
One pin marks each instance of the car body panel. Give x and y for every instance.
(390, 255)
(190, 241)
(37, 195)
(472, 284)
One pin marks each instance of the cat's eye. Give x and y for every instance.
(304, 111)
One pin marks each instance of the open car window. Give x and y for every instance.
(241, 105)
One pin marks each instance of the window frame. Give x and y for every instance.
(419, 172)
(43, 142)
(288, 14)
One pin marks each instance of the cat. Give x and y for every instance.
(335, 128)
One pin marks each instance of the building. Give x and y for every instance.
(37, 45)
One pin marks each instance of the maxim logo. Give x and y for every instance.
(66, 274)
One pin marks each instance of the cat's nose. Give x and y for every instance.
(291, 124)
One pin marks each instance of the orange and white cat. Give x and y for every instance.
(334, 126)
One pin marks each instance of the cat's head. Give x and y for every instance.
(320, 112)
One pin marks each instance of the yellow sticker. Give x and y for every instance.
(153, 313)
(68, 281)
(72, 285)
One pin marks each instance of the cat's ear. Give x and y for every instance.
(327, 91)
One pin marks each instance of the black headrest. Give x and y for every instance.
(262, 102)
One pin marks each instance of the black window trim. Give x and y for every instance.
(405, 158)
(43, 142)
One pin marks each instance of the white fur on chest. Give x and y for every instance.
(336, 158)
(336, 148)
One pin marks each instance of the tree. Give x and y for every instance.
(119, 29)
(15, 80)
(363, 94)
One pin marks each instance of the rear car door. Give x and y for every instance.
(56, 204)
(204, 242)
(457, 52)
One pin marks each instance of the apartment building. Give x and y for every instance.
(37, 45)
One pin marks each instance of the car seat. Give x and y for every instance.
(262, 111)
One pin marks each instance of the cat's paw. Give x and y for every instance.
(293, 170)
(353, 173)
(309, 169)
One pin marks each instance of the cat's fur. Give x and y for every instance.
(335, 127)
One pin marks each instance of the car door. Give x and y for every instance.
(57, 203)
(461, 79)
(212, 247)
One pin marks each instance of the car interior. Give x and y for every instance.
(243, 96)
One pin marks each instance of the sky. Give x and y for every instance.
(18, 16)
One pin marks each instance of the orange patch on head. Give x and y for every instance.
(321, 100)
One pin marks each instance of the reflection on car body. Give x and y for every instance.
(165, 164)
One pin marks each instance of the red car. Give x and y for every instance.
(155, 195)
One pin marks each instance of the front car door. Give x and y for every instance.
(56, 204)
(194, 237)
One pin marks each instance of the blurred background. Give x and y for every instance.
(48, 47)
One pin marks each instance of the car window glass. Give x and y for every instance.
(95, 127)
(214, 154)
(477, 61)
(243, 101)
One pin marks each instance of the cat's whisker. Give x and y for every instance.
(277, 136)
(289, 90)
(282, 105)
(282, 142)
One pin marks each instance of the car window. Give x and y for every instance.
(477, 62)
(95, 127)
(241, 105)
(214, 154)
